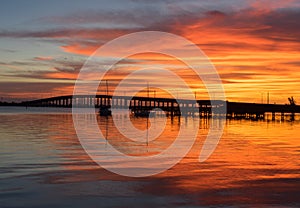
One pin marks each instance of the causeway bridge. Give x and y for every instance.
(171, 106)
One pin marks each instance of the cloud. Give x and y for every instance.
(45, 68)
(66, 33)
(33, 90)
(267, 29)
(43, 75)
(253, 42)
(7, 50)
(139, 17)
(43, 58)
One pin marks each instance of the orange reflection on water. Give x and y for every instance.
(255, 162)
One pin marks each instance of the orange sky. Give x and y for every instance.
(254, 45)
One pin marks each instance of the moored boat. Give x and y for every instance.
(105, 111)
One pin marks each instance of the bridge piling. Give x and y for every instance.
(173, 107)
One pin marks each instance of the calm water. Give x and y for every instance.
(42, 164)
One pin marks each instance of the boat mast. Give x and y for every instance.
(148, 89)
(106, 83)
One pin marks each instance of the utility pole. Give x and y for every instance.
(268, 98)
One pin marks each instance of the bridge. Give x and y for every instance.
(173, 107)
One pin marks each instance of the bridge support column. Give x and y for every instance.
(273, 116)
(282, 116)
(292, 116)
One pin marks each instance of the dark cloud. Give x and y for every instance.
(215, 13)
(58, 68)
(292, 63)
(29, 87)
(276, 25)
(233, 36)
(95, 33)
(8, 50)
(69, 67)
(135, 18)
(283, 25)
(45, 75)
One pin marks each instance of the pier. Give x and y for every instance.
(171, 106)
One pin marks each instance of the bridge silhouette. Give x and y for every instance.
(173, 107)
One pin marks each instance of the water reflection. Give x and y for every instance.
(255, 164)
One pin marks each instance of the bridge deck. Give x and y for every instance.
(203, 107)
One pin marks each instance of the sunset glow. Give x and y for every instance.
(253, 44)
(149, 103)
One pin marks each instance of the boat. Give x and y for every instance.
(145, 113)
(142, 113)
(105, 110)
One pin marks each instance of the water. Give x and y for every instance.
(42, 164)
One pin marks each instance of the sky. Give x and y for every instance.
(254, 45)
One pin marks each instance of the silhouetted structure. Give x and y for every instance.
(172, 107)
